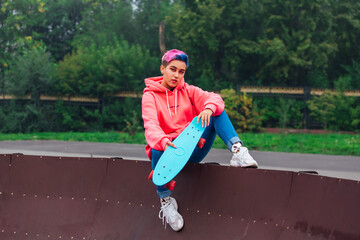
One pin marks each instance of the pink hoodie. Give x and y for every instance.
(166, 113)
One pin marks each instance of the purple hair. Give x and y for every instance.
(175, 54)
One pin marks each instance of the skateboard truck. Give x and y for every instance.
(170, 185)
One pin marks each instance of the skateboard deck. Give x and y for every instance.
(174, 159)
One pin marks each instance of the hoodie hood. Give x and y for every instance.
(153, 84)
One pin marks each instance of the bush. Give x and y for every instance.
(241, 111)
(322, 108)
(346, 113)
(335, 111)
(115, 114)
(19, 117)
(124, 115)
(281, 111)
(71, 118)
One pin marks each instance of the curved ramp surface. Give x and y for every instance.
(101, 198)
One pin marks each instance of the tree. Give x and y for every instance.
(296, 39)
(59, 26)
(346, 26)
(31, 74)
(51, 22)
(16, 20)
(99, 71)
(150, 26)
(263, 42)
(102, 20)
(198, 32)
(351, 79)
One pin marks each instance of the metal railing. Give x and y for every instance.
(245, 89)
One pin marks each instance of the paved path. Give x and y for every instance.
(347, 167)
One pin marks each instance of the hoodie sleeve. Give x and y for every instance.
(202, 99)
(155, 136)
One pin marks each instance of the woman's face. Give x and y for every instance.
(172, 73)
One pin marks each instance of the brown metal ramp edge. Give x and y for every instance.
(100, 198)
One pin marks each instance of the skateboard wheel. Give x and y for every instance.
(170, 185)
(151, 175)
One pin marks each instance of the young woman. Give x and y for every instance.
(168, 106)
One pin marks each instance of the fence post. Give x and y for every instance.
(238, 88)
(100, 104)
(307, 91)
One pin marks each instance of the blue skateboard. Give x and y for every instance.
(173, 160)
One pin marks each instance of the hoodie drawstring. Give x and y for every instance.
(175, 101)
(167, 101)
(168, 105)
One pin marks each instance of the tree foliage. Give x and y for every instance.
(95, 48)
(276, 42)
(148, 15)
(335, 111)
(102, 20)
(293, 43)
(201, 32)
(241, 111)
(31, 74)
(99, 71)
(346, 26)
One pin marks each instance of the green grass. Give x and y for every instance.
(334, 143)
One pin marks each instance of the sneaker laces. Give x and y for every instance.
(165, 212)
(236, 147)
(238, 151)
(242, 153)
(239, 154)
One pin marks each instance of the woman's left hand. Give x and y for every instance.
(205, 117)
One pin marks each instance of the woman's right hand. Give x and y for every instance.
(169, 143)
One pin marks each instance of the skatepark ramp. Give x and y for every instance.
(71, 198)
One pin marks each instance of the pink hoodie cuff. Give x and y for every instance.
(163, 143)
(211, 106)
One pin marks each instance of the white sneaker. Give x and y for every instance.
(169, 214)
(241, 157)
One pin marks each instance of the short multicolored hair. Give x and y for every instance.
(174, 54)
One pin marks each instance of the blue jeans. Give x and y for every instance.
(220, 125)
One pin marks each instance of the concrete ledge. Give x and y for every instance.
(44, 197)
